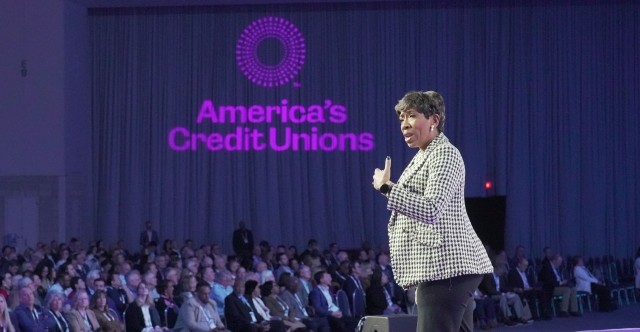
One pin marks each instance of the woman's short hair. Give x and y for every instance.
(426, 102)
(52, 296)
(77, 296)
(266, 288)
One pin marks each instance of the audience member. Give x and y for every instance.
(29, 316)
(322, 301)
(379, 301)
(485, 311)
(199, 313)
(278, 308)
(496, 286)
(165, 304)
(239, 312)
(81, 318)
(553, 284)
(7, 318)
(588, 283)
(252, 293)
(141, 314)
(106, 317)
(521, 285)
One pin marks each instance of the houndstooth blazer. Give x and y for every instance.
(430, 235)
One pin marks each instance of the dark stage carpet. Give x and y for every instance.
(626, 317)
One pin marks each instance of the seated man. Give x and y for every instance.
(199, 313)
(298, 310)
(587, 282)
(30, 316)
(322, 301)
(553, 284)
(239, 312)
(495, 285)
(521, 285)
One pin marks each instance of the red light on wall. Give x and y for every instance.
(488, 185)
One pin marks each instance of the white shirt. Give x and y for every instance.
(327, 296)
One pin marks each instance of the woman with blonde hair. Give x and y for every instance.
(5, 316)
(81, 318)
(107, 318)
(141, 315)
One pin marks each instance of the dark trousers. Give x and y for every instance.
(446, 305)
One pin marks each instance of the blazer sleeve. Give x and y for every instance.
(514, 279)
(319, 303)
(581, 274)
(445, 174)
(188, 310)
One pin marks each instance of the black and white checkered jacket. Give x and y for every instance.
(430, 235)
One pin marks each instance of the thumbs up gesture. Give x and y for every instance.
(381, 177)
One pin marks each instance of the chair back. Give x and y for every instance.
(358, 304)
(343, 303)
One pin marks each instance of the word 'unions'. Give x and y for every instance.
(326, 112)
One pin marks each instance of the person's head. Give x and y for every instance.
(172, 274)
(292, 284)
(151, 279)
(99, 300)
(251, 289)
(133, 279)
(208, 274)
(342, 256)
(354, 269)
(422, 117)
(81, 300)
(238, 287)
(26, 296)
(305, 272)
(523, 264)
(376, 278)
(241, 273)
(143, 294)
(165, 288)
(267, 275)
(78, 284)
(268, 289)
(202, 292)
(99, 285)
(322, 278)
(147, 225)
(54, 301)
(520, 251)
(578, 261)
(382, 259)
(188, 283)
(548, 252)
(6, 281)
(283, 259)
(363, 255)
(344, 268)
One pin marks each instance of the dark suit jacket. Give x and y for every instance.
(238, 314)
(319, 303)
(515, 280)
(376, 301)
(488, 285)
(239, 246)
(546, 276)
(134, 319)
(144, 239)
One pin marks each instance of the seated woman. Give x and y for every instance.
(7, 320)
(141, 315)
(252, 291)
(107, 318)
(587, 282)
(166, 306)
(379, 301)
(278, 308)
(54, 302)
(81, 318)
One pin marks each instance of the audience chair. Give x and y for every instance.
(343, 303)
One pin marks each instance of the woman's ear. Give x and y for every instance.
(436, 120)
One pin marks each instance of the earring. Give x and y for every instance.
(431, 128)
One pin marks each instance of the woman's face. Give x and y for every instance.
(56, 303)
(45, 271)
(256, 292)
(416, 128)
(6, 281)
(143, 291)
(83, 301)
(193, 282)
(101, 302)
(3, 304)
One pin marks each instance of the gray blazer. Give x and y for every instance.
(430, 235)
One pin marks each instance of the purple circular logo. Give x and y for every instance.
(293, 50)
